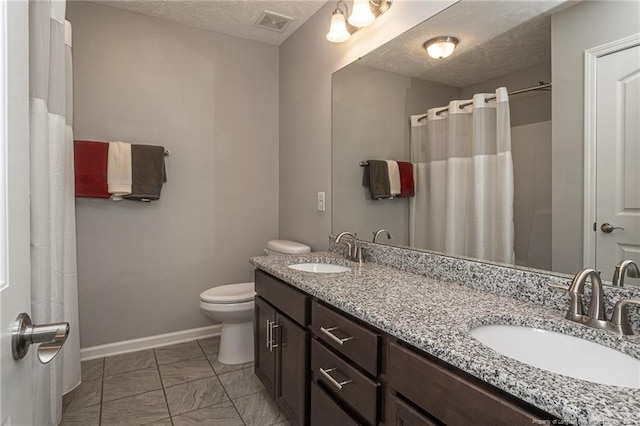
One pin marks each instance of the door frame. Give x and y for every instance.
(590, 140)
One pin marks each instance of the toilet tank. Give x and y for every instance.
(280, 247)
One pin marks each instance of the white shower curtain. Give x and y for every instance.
(54, 292)
(464, 179)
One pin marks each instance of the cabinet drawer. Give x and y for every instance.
(346, 336)
(284, 297)
(324, 411)
(447, 396)
(400, 413)
(358, 391)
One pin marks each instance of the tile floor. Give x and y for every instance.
(177, 385)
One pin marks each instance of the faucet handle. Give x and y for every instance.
(620, 317)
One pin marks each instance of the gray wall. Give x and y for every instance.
(307, 61)
(583, 26)
(371, 110)
(213, 100)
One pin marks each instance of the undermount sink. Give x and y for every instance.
(320, 268)
(562, 354)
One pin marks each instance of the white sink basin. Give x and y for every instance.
(320, 268)
(562, 354)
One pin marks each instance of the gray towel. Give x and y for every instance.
(379, 179)
(147, 172)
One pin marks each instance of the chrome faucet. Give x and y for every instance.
(627, 268)
(620, 317)
(377, 233)
(596, 316)
(354, 251)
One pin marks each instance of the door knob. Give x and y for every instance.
(608, 228)
(50, 336)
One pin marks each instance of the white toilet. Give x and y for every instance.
(233, 305)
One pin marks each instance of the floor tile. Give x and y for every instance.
(179, 352)
(185, 371)
(88, 416)
(240, 383)
(92, 370)
(135, 410)
(224, 414)
(129, 362)
(132, 383)
(210, 345)
(163, 422)
(258, 409)
(84, 395)
(220, 368)
(194, 395)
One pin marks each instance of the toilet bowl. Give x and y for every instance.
(233, 304)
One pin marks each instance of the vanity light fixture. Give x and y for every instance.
(441, 47)
(364, 13)
(338, 32)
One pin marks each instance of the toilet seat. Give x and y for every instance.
(230, 293)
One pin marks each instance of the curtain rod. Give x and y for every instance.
(541, 86)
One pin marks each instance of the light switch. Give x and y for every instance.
(321, 205)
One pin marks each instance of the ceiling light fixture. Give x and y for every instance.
(364, 13)
(441, 47)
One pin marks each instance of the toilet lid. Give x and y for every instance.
(230, 293)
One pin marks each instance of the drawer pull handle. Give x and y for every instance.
(328, 332)
(268, 334)
(273, 325)
(333, 381)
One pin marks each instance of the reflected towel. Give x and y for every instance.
(394, 178)
(379, 179)
(407, 187)
(90, 164)
(119, 170)
(148, 172)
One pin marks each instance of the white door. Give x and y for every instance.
(618, 160)
(15, 287)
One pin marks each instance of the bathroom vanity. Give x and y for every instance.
(381, 345)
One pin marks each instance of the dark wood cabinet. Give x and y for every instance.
(325, 367)
(327, 411)
(264, 356)
(399, 413)
(281, 345)
(292, 366)
(451, 398)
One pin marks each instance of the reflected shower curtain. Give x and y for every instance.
(464, 179)
(54, 289)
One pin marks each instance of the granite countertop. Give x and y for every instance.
(436, 317)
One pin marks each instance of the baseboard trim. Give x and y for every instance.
(149, 342)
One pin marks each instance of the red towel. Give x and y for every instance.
(407, 188)
(90, 160)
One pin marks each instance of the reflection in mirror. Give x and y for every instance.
(514, 45)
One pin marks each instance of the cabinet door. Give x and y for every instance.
(265, 356)
(292, 366)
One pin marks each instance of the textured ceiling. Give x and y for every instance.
(233, 17)
(496, 38)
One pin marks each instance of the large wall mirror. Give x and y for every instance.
(516, 45)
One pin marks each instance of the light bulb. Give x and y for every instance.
(338, 31)
(361, 16)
